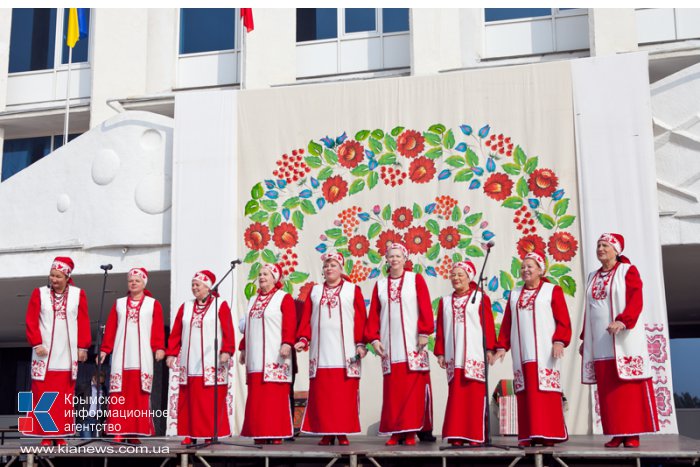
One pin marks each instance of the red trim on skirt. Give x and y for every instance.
(135, 399)
(195, 409)
(407, 403)
(333, 407)
(627, 407)
(268, 413)
(464, 414)
(540, 413)
(61, 411)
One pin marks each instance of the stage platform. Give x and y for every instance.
(364, 450)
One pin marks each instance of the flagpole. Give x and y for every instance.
(242, 67)
(67, 117)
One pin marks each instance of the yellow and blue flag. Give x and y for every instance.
(77, 26)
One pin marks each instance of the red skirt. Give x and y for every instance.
(627, 407)
(138, 402)
(465, 415)
(540, 413)
(407, 403)
(268, 413)
(62, 409)
(195, 409)
(333, 407)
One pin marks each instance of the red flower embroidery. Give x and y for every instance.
(305, 290)
(334, 189)
(449, 237)
(285, 235)
(562, 246)
(385, 240)
(543, 182)
(529, 244)
(402, 218)
(498, 186)
(350, 154)
(257, 236)
(421, 170)
(410, 143)
(358, 245)
(418, 240)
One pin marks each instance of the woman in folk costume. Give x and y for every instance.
(266, 351)
(614, 347)
(133, 333)
(58, 329)
(199, 368)
(332, 326)
(399, 323)
(459, 349)
(536, 327)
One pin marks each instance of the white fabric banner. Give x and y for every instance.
(443, 163)
(617, 174)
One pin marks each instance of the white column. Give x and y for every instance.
(435, 40)
(270, 49)
(162, 49)
(612, 30)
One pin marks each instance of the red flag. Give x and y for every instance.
(247, 16)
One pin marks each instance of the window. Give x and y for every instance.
(500, 14)
(686, 380)
(18, 154)
(316, 24)
(207, 29)
(395, 19)
(360, 20)
(33, 39)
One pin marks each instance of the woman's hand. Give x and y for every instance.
(378, 347)
(441, 361)
(422, 342)
(557, 350)
(41, 351)
(241, 357)
(160, 355)
(285, 350)
(500, 355)
(490, 357)
(615, 327)
(361, 351)
(82, 355)
(170, 362)
(224, 357)
(101, 358)
(299, 346)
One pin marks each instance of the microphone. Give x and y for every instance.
(106, 267)
(490, 245)
(236, 261)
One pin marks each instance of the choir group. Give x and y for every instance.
(335, 328)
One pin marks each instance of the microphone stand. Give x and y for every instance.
(98, 345)
(215, 439)
(487, 441)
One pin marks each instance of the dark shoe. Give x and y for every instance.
(632, 442)
(343, 440)
(426, 436)
(615, 442)
(260, 441)
(525, 444)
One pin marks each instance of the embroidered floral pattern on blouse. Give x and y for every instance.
(38, 368)
(146, 382)
(330, 296)
(631, 366)
(352, 367)
(277, 372)
(601, 280)
(518, 381)
(526, 301)
(395, 286)
(550, 378)
(132, 311)
(59, 304)
(261, 302)
(418, 360)
(115, 382)
(459, 308)
(474, 369)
